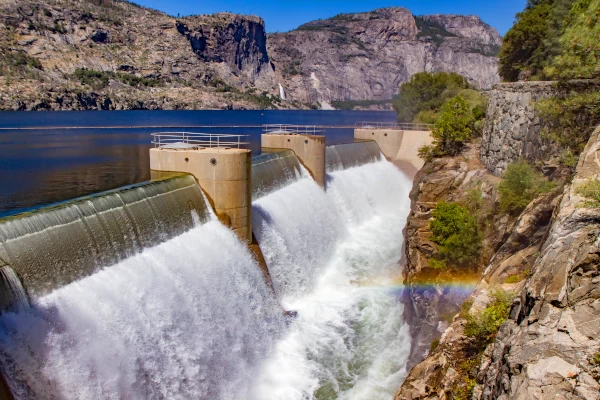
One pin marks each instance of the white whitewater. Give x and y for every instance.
(333, 258)
(281, 92)
(188, 319)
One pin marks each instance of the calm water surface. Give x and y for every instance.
(110, 148)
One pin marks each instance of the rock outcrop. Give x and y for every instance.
(431, 296)
(549, 259)
(550, 348)
(368, 55)
(68, 54)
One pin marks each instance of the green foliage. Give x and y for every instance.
(434, 345)
(483, 326)
(426, 117)
(432, 30)
(523, 45)
(591, 191)
(454, 127)
(456, 232)
(425, 91)
(19, 59)
(533, 41)
(352, 104)
(579, 45)
(570, 121)
(517, 277)
(520, 184)
(100, 79)
(596, 359)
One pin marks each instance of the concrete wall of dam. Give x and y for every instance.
(398, 145)
(224, 174)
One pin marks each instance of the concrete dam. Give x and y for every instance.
(227, 276)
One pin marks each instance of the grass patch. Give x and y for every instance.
(591, 191)
(101, 79)
(483, 325)
(352, 104)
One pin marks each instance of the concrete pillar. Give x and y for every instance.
(398, 146)
(310, 150)
(224, 176)
(389, 140)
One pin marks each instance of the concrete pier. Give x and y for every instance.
(398, 145)
(310, 150)
(223, 174)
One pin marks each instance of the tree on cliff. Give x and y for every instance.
(541, 35)
(453, 127)
(579, 44)
(427, 91)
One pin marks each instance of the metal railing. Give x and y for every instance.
(196, 140)
(286, 129)
(408, 126)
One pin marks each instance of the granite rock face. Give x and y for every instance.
(368, 55)
(149, 59)
(551, 346)
(429, 298)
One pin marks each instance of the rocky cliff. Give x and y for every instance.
(547, 260)
(110, 54)
(102, 54)
(368, 55)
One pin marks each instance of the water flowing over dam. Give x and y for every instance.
(143, 293)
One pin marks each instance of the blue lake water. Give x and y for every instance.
(67, 154)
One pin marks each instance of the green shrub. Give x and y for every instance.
(579, 47)
(591, 191)
(520, 184)
(455, 230)
(596, 359)
(570, 121)
(434, 345)
(453, 127)
(426, 117)
(483, 325)
(425, 91)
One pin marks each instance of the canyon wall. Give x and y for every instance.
(67, 54)
(368, 55)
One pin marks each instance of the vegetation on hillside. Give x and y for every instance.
(521, 183)
(591, 191)
(427, 92)
(553, 39)
(456, 232)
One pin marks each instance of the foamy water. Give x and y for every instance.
(192, 318)
(349, 340)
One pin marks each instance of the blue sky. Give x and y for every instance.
(284, 15)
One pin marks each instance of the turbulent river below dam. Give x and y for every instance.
(193, 318)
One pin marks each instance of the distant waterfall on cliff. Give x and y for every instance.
(190, 318)
(334, 257)
(281, 92)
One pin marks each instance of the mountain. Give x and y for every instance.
(70, 54)
(103, 54)
(368, 55)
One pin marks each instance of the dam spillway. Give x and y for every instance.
(188, 313)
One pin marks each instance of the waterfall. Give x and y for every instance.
(57, 245)
(335, 259)
(281, 92)
(344, 156)
(273, 171)
(190, 318)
